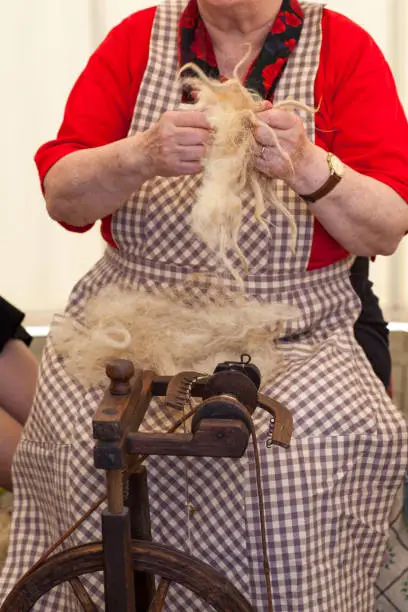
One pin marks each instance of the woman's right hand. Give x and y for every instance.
(177, 143)
(90, 184)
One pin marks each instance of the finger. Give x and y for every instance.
(192, 136)
(271, 155)
(279, 119)
(272, 164)
(192, 153)
(265, 137)
(190, 167)
(186, 118)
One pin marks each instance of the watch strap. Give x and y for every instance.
(330, 184)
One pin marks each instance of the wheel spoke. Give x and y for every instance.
(173, 566)
(160, 596)
(82, 595)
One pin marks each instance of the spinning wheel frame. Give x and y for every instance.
(125, 560)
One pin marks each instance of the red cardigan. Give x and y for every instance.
(360, 119)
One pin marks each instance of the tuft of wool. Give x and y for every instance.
(170, 332)
(229, 173)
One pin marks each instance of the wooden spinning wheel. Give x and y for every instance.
(138, 572)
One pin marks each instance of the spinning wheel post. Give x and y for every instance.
(116, 529)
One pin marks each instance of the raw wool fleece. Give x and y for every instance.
(229, 171)
(168, 334)
(177, 331)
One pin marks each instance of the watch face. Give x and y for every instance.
(337, 165)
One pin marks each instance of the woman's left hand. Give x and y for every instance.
(282, 154)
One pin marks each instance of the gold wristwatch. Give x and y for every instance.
(336, 168)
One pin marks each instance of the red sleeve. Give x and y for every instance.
(100, 106)
(360, 104)
(361, 118)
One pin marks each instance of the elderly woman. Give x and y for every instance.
(128, 154)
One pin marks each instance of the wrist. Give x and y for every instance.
(311, 170)
(134, 162)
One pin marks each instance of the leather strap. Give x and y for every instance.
(330, 184)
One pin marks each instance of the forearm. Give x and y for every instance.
(364, 215)
(92, 183)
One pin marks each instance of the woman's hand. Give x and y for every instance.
(90, 184)
(364, 215)
(177, 143)
(284, 149)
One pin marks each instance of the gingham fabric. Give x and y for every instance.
(392, 585)
(327, 499)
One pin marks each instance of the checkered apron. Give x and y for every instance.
(327, 499)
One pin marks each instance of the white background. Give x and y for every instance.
(44, 44)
